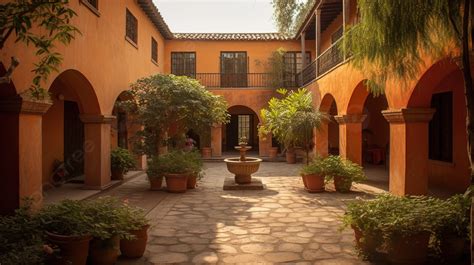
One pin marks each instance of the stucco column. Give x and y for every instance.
(350, 136)
(21, 164)
(216, 140)
(321, 140)
(409, 150)
(97, 151)
(264, 145)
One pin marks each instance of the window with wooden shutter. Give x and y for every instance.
(131, 27)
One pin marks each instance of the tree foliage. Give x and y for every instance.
(42, 24)
(162, 101)
(289, 15)
(291, 119)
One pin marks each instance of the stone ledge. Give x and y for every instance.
(257, 184)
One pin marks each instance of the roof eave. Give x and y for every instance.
(154, 15)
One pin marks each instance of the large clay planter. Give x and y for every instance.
(155, 183)
(74, 249)
(192, 180)
(409, 250)
(135, 248)
(452, 247)
(341, 184)
(117, 174)
(206, 152)
(243, 170)
(313, 183)
(177, 183)
(369, 243)
(290, 157)
(272, 153)
(104, 252)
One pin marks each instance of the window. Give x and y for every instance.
(244, 126)
(93, 5)
(154, 50)
(294, 65)
(183, 63)
(131, 27)
(441, 128)
(233, 69)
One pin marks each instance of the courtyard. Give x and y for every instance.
(282, 223)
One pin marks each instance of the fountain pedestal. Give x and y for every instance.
(243, 167)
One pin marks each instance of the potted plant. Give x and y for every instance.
(291, 120)
(134, 246)
(196, 169)
(175, 166)
(109, 225)
(121, 162)
(155, 173)
(273, 153)
(343, 172)
(313, 175)
(67, 227)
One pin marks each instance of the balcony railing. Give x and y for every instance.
(243, 80)
(325, 62)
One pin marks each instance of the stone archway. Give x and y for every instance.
(243, 122)
(327, 137)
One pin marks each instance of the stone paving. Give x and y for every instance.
(282, 224)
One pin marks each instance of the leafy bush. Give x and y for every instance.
(178, 162)
(135, 217)
(316, 167)
(122, 159)
(65, 218)
(348, 170)
(21, 239)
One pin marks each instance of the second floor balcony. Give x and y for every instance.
(245, 80)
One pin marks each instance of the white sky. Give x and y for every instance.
(233, 16)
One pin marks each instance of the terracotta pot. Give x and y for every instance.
(409, 250)
(273, 152)
(135, 248)
(192, 180)
(177, 183)
(104, 252)
(366, 243)
(452, 247)
(313, 183)
(117, 174)
(206, 152)
(155, 183)
(74, 249)
(290, 157)
(341, 184)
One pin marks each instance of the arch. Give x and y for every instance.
(73, 85)
(358, 98)
(327, 102)
(244, 109)
(243, 122)
(421, 94)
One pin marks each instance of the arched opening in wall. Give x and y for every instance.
(243, 123)
(327, 138)
(63, 131)
(375, 141)
(441, 88)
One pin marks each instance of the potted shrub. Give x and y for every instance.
(134, 246)
(291, 120)
(196, 170)
(155, 173)
(175, 166)
(343, 172)
(121, 162)
(67, 227)
(313, 175)
(273, 153)
(109, 225)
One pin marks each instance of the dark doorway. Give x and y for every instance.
(241, 125)
(73, 139)
(122, 135)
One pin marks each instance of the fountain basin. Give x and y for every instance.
(243, 170)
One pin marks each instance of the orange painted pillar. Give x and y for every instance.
(350, 136)
(409, 150)
(264, 145)
(97, 151)
(21, 164)
(321, 147)
(216, 140)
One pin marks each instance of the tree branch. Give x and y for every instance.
(6, 78)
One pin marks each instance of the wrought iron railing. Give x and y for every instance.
(330, 58)
(308, 74)
(244, 80)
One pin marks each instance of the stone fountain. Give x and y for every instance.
(243, 167)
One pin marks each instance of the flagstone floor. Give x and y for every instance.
(281, 224)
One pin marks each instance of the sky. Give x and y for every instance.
(221, 16)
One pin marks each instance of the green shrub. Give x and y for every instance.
(315, 167)
(122, 159)
(65, 218)
(177, 162)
